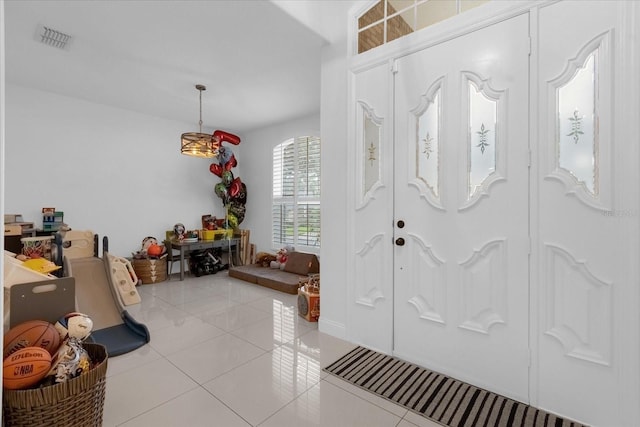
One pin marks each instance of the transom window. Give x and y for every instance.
(296, 194)
(388, 20)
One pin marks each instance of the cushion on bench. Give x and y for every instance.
(302, 263)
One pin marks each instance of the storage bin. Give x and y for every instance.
(150, 270)
(77, 402)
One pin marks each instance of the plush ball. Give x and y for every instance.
(74, 325)
(25, 368)
(154, 250)
(33, 333)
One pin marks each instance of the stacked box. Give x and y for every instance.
(52, 221)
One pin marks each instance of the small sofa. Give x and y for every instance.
(298, 265)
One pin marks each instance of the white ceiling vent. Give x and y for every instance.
(53, 38)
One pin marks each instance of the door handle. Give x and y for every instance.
(400, 241)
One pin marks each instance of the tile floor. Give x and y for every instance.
(228, 353)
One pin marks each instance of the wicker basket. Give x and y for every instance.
(150, 270)
(77, 402)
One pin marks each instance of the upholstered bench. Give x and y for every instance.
(298, 265)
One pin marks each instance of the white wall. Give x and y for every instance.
(333, 254)
(257, 147)
(112, 171)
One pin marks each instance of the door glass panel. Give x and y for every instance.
(371, 37)
(428, 145)
(577, 145)
(432, 12)
(398, 18)
(399, 5)
(376, 13)
(372, 151)
(470, 4)
(482, 137)
(398, 26)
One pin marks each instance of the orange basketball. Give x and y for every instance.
(25, 368)
(33, 333)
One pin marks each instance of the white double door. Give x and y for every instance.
(514, 263)
(461, 274)
(455, 184)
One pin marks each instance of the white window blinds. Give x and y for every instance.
(296, 193)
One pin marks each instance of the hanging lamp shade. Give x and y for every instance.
(198, 144)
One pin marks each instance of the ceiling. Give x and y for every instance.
(259, 59)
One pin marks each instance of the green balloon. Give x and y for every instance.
(232, 221)
(221, 190)
(237, 209)
(227, 178)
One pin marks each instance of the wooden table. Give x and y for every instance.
(204, 244)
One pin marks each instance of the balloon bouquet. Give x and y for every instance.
(230, 189)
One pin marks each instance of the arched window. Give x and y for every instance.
(296, 194)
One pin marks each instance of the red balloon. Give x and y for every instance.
(232, 163)
(235, 187)
(215, 169)
(226, 137)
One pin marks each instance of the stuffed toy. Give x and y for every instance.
(281, 258)
(264, 259)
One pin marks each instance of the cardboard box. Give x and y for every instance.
(308, 305)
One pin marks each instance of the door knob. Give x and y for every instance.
(400, 241)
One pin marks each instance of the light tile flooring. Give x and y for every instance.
(228, 353)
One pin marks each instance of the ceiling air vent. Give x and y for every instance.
(53, 38)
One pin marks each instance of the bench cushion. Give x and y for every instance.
(302, 263)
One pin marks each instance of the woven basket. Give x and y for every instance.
(150, 270)
(77, 402)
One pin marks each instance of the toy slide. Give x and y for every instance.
(103, 287)
(112, 327)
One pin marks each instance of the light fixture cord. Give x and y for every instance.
(200, 122)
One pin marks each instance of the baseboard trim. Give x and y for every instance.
(332, 328)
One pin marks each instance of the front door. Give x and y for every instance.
(461, 209)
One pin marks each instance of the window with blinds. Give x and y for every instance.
(296, 194)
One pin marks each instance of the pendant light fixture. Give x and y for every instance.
(198, 144)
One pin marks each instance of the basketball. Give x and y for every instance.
(25, 368)
(32, 333)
